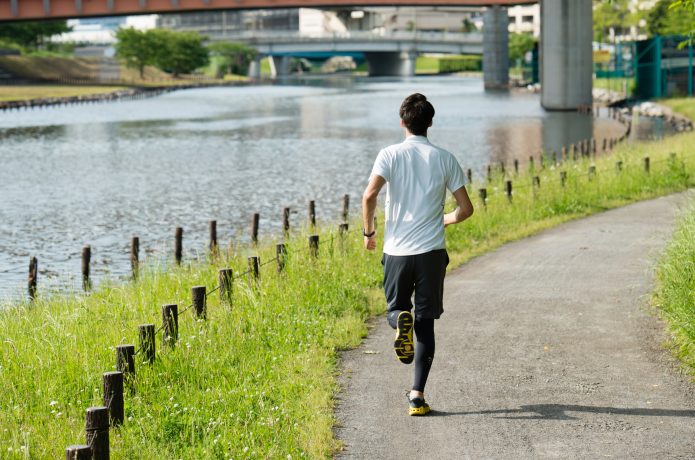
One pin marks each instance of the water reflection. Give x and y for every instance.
(98, 174)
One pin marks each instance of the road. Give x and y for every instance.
(547, 349)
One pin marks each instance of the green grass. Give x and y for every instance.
(26, 92)
(618, 85)
(675, 293)
(684, 106)
(257, 380)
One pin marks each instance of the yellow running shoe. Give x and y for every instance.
(403, 345)
(418, 406)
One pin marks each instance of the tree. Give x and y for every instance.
(615, 16)
(519, 45)
(179, 52)
(672, 17)
(234, 57)
(32, 34)
(136, 48)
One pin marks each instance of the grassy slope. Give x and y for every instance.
(675, 293)
(257, 380)
(20, 92)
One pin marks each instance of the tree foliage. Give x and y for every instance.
(31, 34)
(614, 15)
(234, 57)
(170, 51)
(671, 17)
(520, 44)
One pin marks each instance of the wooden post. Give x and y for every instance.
(146, 342)
(502, 167)
(97, 432)
(312, 213)
(170, 321)
(593, 146)
(469, 175)
(281, 254)
(226, 278)
(564, 153)
(489, 173)
(531, 163)
(574, 152)
(125, 359)
(343, 229)
(212, 228)
(605, 144)
(536, 182)
(253, 267)
(516, 166)
(508, 187)
(178, 245)
(113, 396)
(541, 158)
(482, 193)
(618, 166)
(86, 259)
(346, 207)
(563, 178)
(286, 221)
(254, 228)
(78, 452)
(646, 165)
(314, 245)
(199, 301)
(135, 256)
(592, 172)
(554, 157)
(33, 277)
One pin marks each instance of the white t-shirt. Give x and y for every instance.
(417, 176)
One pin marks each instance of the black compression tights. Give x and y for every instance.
(424, 351)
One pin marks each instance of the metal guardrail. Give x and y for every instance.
(349, 36)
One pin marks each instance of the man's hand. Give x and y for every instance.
(370, 243)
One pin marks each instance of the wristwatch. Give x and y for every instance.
(368, 235)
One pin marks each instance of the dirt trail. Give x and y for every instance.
(547, 349)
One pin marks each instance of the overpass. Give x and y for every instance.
(566, 33)
(387, 54)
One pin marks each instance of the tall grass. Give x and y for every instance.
(257, 379)
(675, 293)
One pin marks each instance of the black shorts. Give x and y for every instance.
(422, 274)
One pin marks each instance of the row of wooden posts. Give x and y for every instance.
(178, 245)
(536, 180)
(99, 419)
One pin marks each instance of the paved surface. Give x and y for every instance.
(547, 349)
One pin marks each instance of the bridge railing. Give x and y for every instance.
(267, 36)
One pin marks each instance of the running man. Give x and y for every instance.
(417, 175)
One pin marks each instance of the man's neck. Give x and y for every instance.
(408, 134)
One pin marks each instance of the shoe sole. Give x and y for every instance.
(419, 410)
(403, 345)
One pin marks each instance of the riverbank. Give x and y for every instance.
(675, 293)
(257, 378)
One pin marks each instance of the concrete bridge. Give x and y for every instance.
(566, 67)
(387, 54)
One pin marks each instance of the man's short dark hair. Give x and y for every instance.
(417, 113)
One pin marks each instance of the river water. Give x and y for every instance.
(98, 174)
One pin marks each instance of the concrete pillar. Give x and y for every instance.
(565, 54)
(255, 68)
(391, 64)
(496, 47)
(279, 66)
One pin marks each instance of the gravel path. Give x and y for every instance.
(547, 349)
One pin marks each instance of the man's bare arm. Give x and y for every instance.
(369, 196)
(464, 209)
